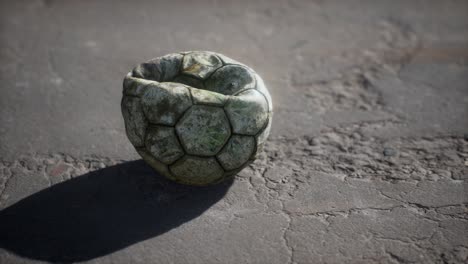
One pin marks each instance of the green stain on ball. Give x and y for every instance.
(196, 117)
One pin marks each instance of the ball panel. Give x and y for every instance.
(163, 144)
(226, 60)
(207, 98)
(171, 66)
(263, 135)
(159, 69)
(188, 80)
(232, 173)
(262, 89)
(150, 70)
(135, 86)
(257, 152)
(156, 164)
(134, 119)
(200, 64)
(230, 79)
(236, 152)
(164, 103)
(203, 130)
(196, 170)
(247, 112)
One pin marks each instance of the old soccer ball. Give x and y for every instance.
(197, 117)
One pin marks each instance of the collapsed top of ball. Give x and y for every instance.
(197, 117)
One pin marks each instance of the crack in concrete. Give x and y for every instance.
(285, 238)
(286, 166)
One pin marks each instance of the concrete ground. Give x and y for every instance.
(367, 161)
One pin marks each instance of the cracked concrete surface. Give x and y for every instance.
(367, 161)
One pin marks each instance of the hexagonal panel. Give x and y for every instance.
(203, 130)
(162, 143)
(135, 122)
(197, 170)
(236, 152)
(164, 103)
(247, 112)
(200, 64)
(230, 79)
(207, 97)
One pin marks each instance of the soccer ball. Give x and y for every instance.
(196, 117)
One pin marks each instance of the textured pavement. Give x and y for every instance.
(367, 161)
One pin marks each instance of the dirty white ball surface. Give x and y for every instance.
(197, 117)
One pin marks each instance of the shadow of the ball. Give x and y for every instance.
(101, 212)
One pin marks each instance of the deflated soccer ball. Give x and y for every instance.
(197, 117)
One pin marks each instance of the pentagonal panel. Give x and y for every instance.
(247, 112)
(200, 64)
(135, 122)
(162, 143)
(207, 97)
(197, 170)
(203, 130)
(164, 103)
(236, 152)
(230, 79)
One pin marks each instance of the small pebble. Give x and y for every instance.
(432, 177)
(271, 185)
(388, 152)
(314, 142)
(69, 159)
